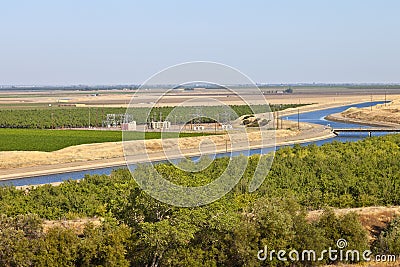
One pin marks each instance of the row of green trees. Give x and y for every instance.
(148, 233)
(75, 117)
(55, 117)
(23, 242)
(141, 231)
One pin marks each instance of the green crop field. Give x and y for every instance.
(51, 140)
(77, 117)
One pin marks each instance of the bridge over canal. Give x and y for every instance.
(370, 130)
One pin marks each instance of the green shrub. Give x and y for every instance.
(388, 241)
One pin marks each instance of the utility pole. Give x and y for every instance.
(385, 97)
(217, 122)
(277, 120)
(95, 117)
(196, 118)
(89, 117)
(103, 114)
(298, 119)
(371, 102)
(273, 120)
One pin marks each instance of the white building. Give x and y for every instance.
(159, 125)
(198, 128)
(131, 126)
(226, 127)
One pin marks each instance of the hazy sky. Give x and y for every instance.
(112, 42)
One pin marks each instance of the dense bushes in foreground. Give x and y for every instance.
(212, 236)
(140, 231)
(24, 243)
(389, 239)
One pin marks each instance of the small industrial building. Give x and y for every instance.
(198, 128)
(115, 120)
(131, 126)
(226, 127)
(159, 125)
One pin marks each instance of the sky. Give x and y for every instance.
(67, 42)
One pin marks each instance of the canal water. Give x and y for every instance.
(317, 117)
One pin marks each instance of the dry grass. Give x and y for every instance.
(76, 225)
(373, 219)
(387, 114)
(123, 98)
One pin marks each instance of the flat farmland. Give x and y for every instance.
(80, 117)
(52, 140)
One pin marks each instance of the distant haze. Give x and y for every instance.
(91, 42)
